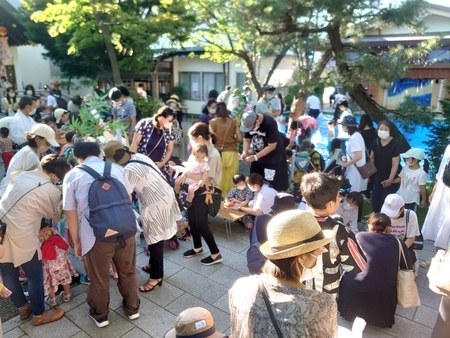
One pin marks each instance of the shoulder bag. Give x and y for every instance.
(263, 291)
(407, 293)
(367, 169)
(439, 273)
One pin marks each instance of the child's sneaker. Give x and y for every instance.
(64, 297)
(85, 280)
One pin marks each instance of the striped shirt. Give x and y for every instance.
(75, 196)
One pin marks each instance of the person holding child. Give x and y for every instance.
(412, 180)
(196, 165)
(321, 192)
(29, 198)
(349, 208)
(240, 196)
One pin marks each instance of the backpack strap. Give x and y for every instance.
(107, 169)
(407, 221)
(90, 171)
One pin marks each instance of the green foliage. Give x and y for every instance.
(148, 108)
(90, 123)
(438, 137)
(180, 91)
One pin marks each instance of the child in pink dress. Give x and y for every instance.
(58, 270)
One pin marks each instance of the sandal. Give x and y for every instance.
(148, 286)
(50, 301)
(65, 298)
(146, 268)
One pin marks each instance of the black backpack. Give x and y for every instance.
(60, 102)
(111, 214)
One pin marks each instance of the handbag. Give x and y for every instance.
(407, 293)
(367, 169)
(418, 242)
(439, 273)
(263, 291)
(213, 199)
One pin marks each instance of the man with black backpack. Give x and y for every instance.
(102, 224)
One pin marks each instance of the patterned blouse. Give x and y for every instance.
(240, 195)
(6, 145)
(145, 128)
(298, 312)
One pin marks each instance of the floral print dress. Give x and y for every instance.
(154, 144)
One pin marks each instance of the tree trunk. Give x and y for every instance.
(251, 69)
(112, 55)
(356, 91)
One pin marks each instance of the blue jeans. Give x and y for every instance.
(34, 272)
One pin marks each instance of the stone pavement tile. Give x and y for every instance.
(163, 295)
(221, 318)
(426, 316)
(369, 331)
(14, 333)
(422, 280)
(407, 328)
(234, 260)
(153, 320)
(115, 298)
(223, 303)
(198, 286)
(234, 244)
(117, 327)
(429, 298)
(193, 263)
(170, 268)
(81, 334)
(136, 333)
(406, 313)
(226, 276)
(76, 301)
(13, 323)
(61, 328)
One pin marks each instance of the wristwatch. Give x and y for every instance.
(239, 208)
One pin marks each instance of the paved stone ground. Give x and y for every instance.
(187, 283)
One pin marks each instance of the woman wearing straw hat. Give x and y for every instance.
(277, 300)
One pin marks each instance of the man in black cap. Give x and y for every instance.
(268, 104)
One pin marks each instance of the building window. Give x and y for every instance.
(240, 80)
(212, 81)
(191, 84)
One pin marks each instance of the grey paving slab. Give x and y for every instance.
(369, 331)
(429, 298)
(192, 263)
(234, 244)
(14, 333)
(136, 333)
(198, 286)
(76, 301)
(117, 327)
(426, 316)
(163, 295)
(170, 268)
(62, 328)
(115, 298)
(154, 320)
(81, 334)
(422, 280)
(223, 303)
(407, 328)
(13, 323)
(234, 260)
(226, 276)
(406, 313)
(221, 318)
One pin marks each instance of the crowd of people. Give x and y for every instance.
(307, 265)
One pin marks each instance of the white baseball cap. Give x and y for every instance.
(413, 153)
(392, 205)
(42, 130)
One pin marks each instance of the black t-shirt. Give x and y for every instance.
(383, 157)
(267, 133)
(369, 135)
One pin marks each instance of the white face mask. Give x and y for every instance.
(269, 96)
(11, 94)
(347, 206)
(345, 129)
(29, 92)
(212, 110)
(383, 134)
(310, 273)
(32, 112)
(409, 163)
(241, 187)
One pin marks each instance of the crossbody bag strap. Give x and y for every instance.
(263, 291)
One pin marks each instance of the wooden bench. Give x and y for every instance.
(229, 216)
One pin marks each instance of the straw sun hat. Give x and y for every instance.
(293, 233)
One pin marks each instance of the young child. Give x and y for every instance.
(58, 270)
(321, 192)
(6, 147)
(197, 164)
(330, 133)
(412, 180)
(240, 195)
(348, 210)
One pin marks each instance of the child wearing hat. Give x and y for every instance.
(412, 180)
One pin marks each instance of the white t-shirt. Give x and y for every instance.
(399, 226)
(276, 103)
(263, 199)
(339, 97)
(313, 102)
(356, 143)
(410, 183)
(20, 124)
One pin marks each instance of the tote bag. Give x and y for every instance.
(439, 273)
(407, 293)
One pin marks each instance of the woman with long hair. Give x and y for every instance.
(198, 211)
(208, 112)
(10, 102)
(228, 136)
(154, 138)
